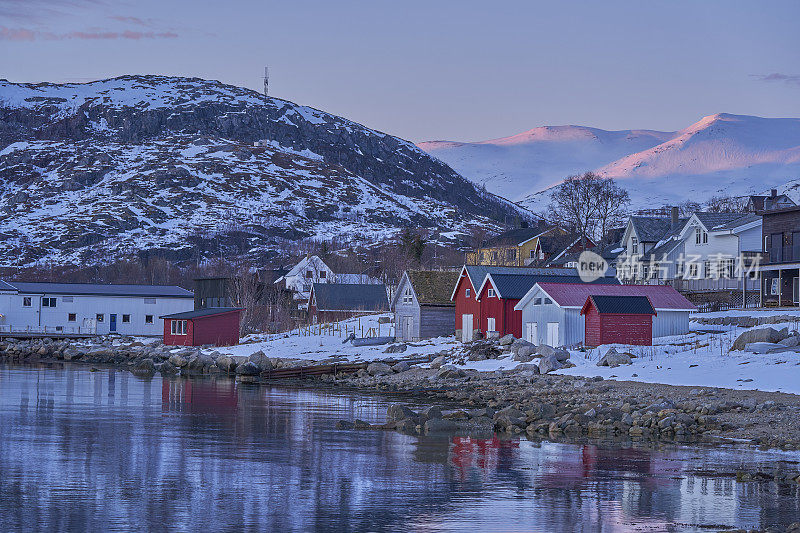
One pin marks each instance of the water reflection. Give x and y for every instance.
(84, 450)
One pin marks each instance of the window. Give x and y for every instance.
(178, 327)
(467, 293)
(795, 245)
(71, 317)
(26, 301)
(775, 248)
(48, 302)
(693, 270)
(537, 301)
(634, 245)
(99, 317)
(548, 301)
(149, 300)
(705, 238)
(126, 319)
(490, 293)
(323, 274)
(309, 274)
(697, 235)
(148, 319)
(490, 324)
(66, 299)
(407, 297)
(533, 254)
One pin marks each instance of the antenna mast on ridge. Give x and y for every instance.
(266, 83)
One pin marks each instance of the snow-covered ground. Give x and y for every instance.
(701, 358)
(317, 345)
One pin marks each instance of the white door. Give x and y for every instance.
(552, 333)
(466, 328)
(490, 326)
(532, 332)
(407, 328)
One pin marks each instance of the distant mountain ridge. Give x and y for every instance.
(721, 154)
(156, 164)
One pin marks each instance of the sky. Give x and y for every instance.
(430, 70)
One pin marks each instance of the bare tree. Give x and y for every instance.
(612, 202)
(575, 203)
(726, 204)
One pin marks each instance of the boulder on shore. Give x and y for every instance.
(378, 369)
(613, 359)
(549, 363)
(759, 335)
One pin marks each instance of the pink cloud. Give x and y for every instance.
(24, 34)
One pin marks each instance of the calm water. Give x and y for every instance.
(97, 451)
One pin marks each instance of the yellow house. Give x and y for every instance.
(517, 247)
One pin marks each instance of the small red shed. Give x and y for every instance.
(618, 319)
(215, 325)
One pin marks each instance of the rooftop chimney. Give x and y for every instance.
(773, 192)
(673, 212)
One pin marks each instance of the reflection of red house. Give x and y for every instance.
(215, 325)
(196, 396)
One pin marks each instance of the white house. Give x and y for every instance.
(88, 308)
(551, 311)
(713, 242)
(310, 270)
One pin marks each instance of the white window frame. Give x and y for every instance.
(407, 297)
(148, 319)
(72, 317)
(491, 324)
(467, 292)
(27, 301)
(178, 327)
(49, 302)
(634, 245)
(126, 321)
(490, 293)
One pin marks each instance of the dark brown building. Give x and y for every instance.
(780, 267)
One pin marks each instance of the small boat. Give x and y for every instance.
(371, 341)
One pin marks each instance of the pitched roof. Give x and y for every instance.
(515, 286)
(100, 289)
(628, 305)
(350, 297)
(433, 287)
(740, 220)
(295, 270)
(199, 313)
(712, 220)
(662, 297)
(652, 229)
(514, 237)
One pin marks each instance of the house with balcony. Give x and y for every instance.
(780, 266)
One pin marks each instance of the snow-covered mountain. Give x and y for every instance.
(141, 164)
(721, 154)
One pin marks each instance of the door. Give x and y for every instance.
(552, 333)
(532, 332)
(408, 324)
(466, 328)
(490, 325)
(796, 290)
(112, 323)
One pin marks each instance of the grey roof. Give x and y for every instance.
(664, 248)
(629, 305)
(199, 313)
(350, 297)
(653, 229)
(477, 273)
(714, 220)
(515, 286)
(740, 220)
(100, 289)
(514, 237)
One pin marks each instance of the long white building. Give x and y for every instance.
(88, 308)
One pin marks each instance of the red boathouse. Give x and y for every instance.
(216, 325)
(618, 319)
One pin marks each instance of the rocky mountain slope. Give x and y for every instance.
(721, 154)
(91, 172)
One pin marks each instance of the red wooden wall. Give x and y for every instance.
(464, 305)
(220, 330)
(506, 319)
(617, 328)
